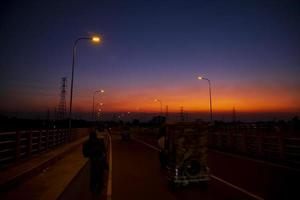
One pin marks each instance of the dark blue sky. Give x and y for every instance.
(248, 48)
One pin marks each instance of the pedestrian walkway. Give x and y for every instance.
(79, 188)
(55, 170)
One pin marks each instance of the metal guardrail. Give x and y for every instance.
(22, 145)
(258, 142)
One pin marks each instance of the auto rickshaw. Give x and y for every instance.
(183, 155)
(125, 133)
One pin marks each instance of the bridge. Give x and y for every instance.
(244, 164)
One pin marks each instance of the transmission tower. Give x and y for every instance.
(181, 114)
(62, 108)
(167, 111)
(233, 114)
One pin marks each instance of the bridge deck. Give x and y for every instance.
(43, 177)
(137, 175)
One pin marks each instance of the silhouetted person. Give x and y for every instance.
(125, 133)
(161, 145)
(94, 149)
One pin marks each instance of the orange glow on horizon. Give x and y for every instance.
(196, 99)
(193, 98)
(194, 103)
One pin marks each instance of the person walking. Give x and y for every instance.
(161, 145)
(94, 149)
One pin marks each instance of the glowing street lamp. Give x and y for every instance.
(99, 104)
(157, 100)
(210, 101)
(94, 39)
(96, 92)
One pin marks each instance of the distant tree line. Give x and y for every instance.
(13, 124)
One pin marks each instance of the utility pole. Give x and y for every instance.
(187, 116)
(233, 114)
(181, 114)
(62, 108)
(47, 123)
(55, 113)
(167, 112)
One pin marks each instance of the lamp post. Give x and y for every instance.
(157, 100)
(93, 39)
(99, 104)
(93, 113)
(210, 101)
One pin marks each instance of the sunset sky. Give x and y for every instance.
(250, 50)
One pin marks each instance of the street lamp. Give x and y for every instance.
(99, 92)
(210, 103)
(157, 100)
(94, 39)
(99, 104)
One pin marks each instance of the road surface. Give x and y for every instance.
(136, 174)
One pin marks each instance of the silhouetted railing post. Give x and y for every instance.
(54, 133)
(62, 131)
(60, 136)
(230, 138)
(29, 143)
(52, 138)
(39, 141)
(17, 145)
(243, 141)
(73, 134)
(46, 139)
(57, 135)
(260, 140)
(65, 135)
(281, 145)
(68, 133)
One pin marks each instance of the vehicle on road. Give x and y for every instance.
(125, 133)
(183, 155)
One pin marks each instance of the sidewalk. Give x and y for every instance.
(24, 181)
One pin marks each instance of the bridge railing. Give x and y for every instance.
(259, 142)
(256, 141)
(21, 145)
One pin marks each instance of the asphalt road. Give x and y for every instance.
(262, 179)
(136, 175)
(269, 181)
